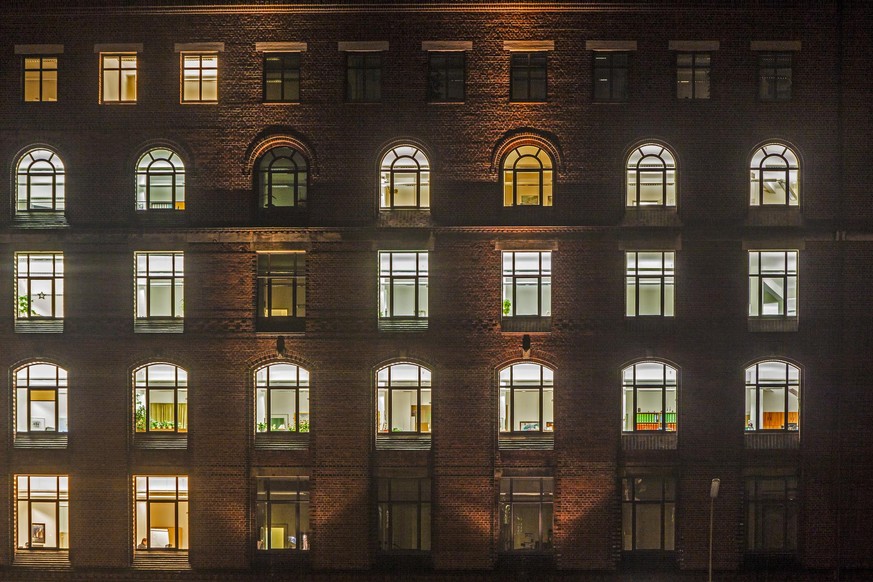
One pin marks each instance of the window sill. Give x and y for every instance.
(524, 324)
(156, 440)
(651, 216)
(773, 324)
(772, 440)
(159, 325)
(39, 220)
(282, 441)
(39, 326)
(43, 440)
(403, 442)
(536, 441)
(649, 441)
(399, 324)
(165, 559)
(36, 558)
(279, 324)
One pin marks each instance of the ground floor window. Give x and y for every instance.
(43, 512)
(771, 514)
(648, 513)
(161, 512)
(526, 513)
(404, 514)
(283, 513)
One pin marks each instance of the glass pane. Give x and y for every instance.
(283, 527)
(526, 526)
(648, 527)
(527, 410)
(282, 409)
(404, 410)
(162, 525)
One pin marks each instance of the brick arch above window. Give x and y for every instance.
(526, 137)
(262, 145)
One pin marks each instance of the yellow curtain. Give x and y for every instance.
(161, 416)
(182, 417)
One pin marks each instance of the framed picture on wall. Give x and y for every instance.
(37, 424)
(37, 533)
(529, 425)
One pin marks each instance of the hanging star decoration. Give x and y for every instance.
(41, 295)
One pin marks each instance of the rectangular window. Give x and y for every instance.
(774, 72)
(528, 76)
(404, 515)
(692, 75)
(773, 283)
(281, 77)
(283, 513)
(771, 514)
(527, 284)
(526, 510)
(281, 290)
(403, 278)
(446, 76)
(611, 75)
(41, 79)
(649, 283)
(43, 512)
(364, 77)
(160, 286)
(161, 521)
(648, 513)
(118, 74)
(40, 288)
(199, 77)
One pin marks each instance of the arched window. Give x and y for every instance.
(527, 398)
(405, 178)
(775, 176)
(651, 176)
(40, 182)
(41, 399)
(648, 397)
(283, 178)
(282, 399)
(161, 399)
(160, 181)
(527, 177)
(403, 402)
(772, 396)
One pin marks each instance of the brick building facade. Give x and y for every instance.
(624, 250)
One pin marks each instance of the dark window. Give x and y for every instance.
(161, 399)
(527, 399)
(772, 396)
(528, 77)
(404, 515)
(692, 75)
(41, 78)
(648, 507)
(283, 513)
(648, 397)
(611, 76)
(281, 290)
(771, 514)
(283, 178)
(774, 72)
(526, 513)
(403, 399)
(445, 76)
(364, 77)
(281, 77)
(282, 399)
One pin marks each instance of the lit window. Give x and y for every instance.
(40, 286)
(526, 509)
(404, 515)
(527, 177)
(772, 283)
(403, 399)
(283, 178)
(405, 178)
(648, 397)
(651, 176)
(772, 505)
(281, 291)
(119, 78)
(281, 77)
(649, 283)
(364, 77)
(774, 72)
(283, 513)
(692, 75)
(41, 79)
(446, 76)
(648, 513)
(611, 75)
(161, 399)
(527, 284)
(772, 397)
(161, 521)
(43, 512)
(199, 78)
(160, 181)
(527, 77)
(775, 176)
(41, 404)
(282, 399)
(40, 182)
(403, 281)
(527, 399)
(160, 285)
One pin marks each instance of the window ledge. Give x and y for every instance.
(42, 559)
(156, 440)
(282, 441)
(774, 216)
(159, 325)
(39, 326)
(45, 440)
(773, 324)
(526, 324)
(405, 217)
(651, 216)
(403, 442)
(40, 220)
(537, 441)
(649, 441)
(168, 560)
(398, 324)
(772, 440)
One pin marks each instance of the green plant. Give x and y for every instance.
(140, 418)
(163, 425)
(24, 306)
(507, 306)
(304, 426)
(262, 427)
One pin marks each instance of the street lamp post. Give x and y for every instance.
(713, 493)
